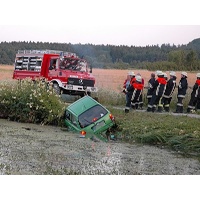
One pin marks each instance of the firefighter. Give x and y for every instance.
(133, 80)
(138, 86)
(139, 104)
(160, 105)
(195, 95)
(127, 82)
(158, 91)
(130, 79)
(150, 87)
(167, 97)
(135, 89)
(182, 88)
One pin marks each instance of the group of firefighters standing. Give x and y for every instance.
(159, 92)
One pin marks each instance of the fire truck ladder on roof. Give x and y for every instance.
(62, 53)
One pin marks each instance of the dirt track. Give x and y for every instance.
(35, 149)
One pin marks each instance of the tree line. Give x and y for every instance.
(155, 57)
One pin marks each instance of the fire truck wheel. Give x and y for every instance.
(56, 88)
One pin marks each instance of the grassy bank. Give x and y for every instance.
(180, 133)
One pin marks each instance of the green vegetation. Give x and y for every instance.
(179, 133)
(28, 101)
(110, 97)
(164, 57)
(35, 102)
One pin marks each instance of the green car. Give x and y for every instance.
(90, 119)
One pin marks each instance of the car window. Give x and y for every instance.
(71, 118)
(91, 115)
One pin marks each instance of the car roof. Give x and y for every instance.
(82, 105)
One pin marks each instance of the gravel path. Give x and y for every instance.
(34, 149)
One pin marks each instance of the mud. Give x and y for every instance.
(29, 149)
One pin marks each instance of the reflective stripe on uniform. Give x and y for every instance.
(192, 107)
(179, 104)
(180, 95)
(166, 96)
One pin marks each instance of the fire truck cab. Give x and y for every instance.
(68, 73)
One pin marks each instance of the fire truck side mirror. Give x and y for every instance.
(90, 69)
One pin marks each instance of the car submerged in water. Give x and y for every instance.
(90, 119)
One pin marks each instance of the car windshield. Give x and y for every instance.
(92, 115)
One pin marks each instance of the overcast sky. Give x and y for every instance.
(119, 22)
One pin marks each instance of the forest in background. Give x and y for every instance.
(155, 57)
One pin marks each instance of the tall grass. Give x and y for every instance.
(110, 97)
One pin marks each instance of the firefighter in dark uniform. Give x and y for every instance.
(167, 97)
(158, 91)
(150, 87)
(182, 88)
(195, 95)
(129, 92)
(135, 90)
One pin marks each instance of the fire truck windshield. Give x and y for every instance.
(81, 66)
(73, 64)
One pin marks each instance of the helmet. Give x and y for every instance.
(184, 73)
(165, 75)
(131, 73)
(138, 79)
(172, 73)
(198, 75)
(160, 73)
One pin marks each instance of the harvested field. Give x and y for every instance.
(114, 79)
(105, 78)
(6, 72)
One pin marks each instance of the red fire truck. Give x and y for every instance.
(68, 73)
